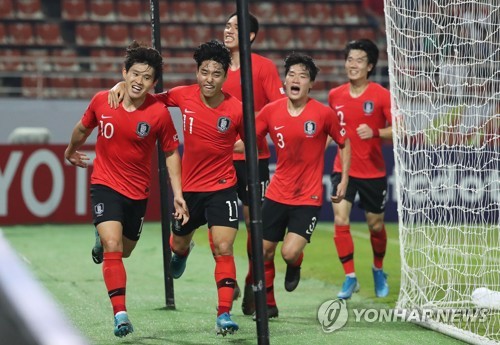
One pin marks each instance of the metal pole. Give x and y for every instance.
(259, 286)
(163, 174)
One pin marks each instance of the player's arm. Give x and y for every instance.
(78, 138)
(345, 158)
(173, 162)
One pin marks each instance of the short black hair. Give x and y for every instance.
(254, 23)
(368, 47)
(141, 53)
(213, 50)
(306, 60)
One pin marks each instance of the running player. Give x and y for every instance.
(364, 108)
(122, 168)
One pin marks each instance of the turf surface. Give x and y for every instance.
(59, 256)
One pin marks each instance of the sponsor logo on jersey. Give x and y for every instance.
(143, 129)
(310, 128)
(368, 107)
(223, 124)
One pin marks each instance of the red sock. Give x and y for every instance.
(345, 247)
(299, 260)
(182, 254)
(269, 274)
(211, 242)
(115, 279)
(249, 278)
(225, 277)
(379, 245)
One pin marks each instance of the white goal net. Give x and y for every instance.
(444, 68)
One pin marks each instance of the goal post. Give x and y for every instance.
(444, 69)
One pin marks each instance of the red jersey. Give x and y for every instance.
(267, 87)
(373, 108)
(126, 141)
(300, 146)
(209, 136)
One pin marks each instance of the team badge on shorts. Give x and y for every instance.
(143, 129)
(310, 128)
(223, 124)
(368, 107)
(99, 209)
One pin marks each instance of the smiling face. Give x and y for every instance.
(298, 82)
(231, 40)
(357, 66)
(231, 33)
(210, 76)
(139, 80)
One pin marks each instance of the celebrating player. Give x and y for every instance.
(299, 127)
(121, 176)
(267, 87)
(212, 119)
(364, 108)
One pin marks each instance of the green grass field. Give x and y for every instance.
(59, 257)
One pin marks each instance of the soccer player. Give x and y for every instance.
(212, 119)
(299, 127)
(364, 108)
(121, 177)
(267, 87)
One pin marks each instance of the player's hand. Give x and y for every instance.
(181, 211)
(77, 159)
(364, 131)
(341, 189)
(116, 94)
(239, 146)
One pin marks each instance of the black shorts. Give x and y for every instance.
(219, 208)
(108, 204)
(372, 192)
(241, 175)
(277, 217)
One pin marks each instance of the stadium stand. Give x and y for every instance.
(29, 9)
(7, 9)
(47, 34)
(94, 33)
(74, 10)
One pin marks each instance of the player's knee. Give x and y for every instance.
(223, 248)
(111, 245)
(269, 254)
(290, 255)
(376, 226)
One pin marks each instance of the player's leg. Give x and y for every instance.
(373, 196)
(342, 236)
(97, 250)
(242, 190)
(181, 236)
(301, 224)
(222, 217)
(274, 223)
(108, 215)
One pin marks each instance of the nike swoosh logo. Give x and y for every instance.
(337, 107)
(189, 111)
(233, 219)
(106, 117)
(276, 128)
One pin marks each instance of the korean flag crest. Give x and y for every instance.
(310, 128)
(368, 107)
(143, 129)
(223, 124)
